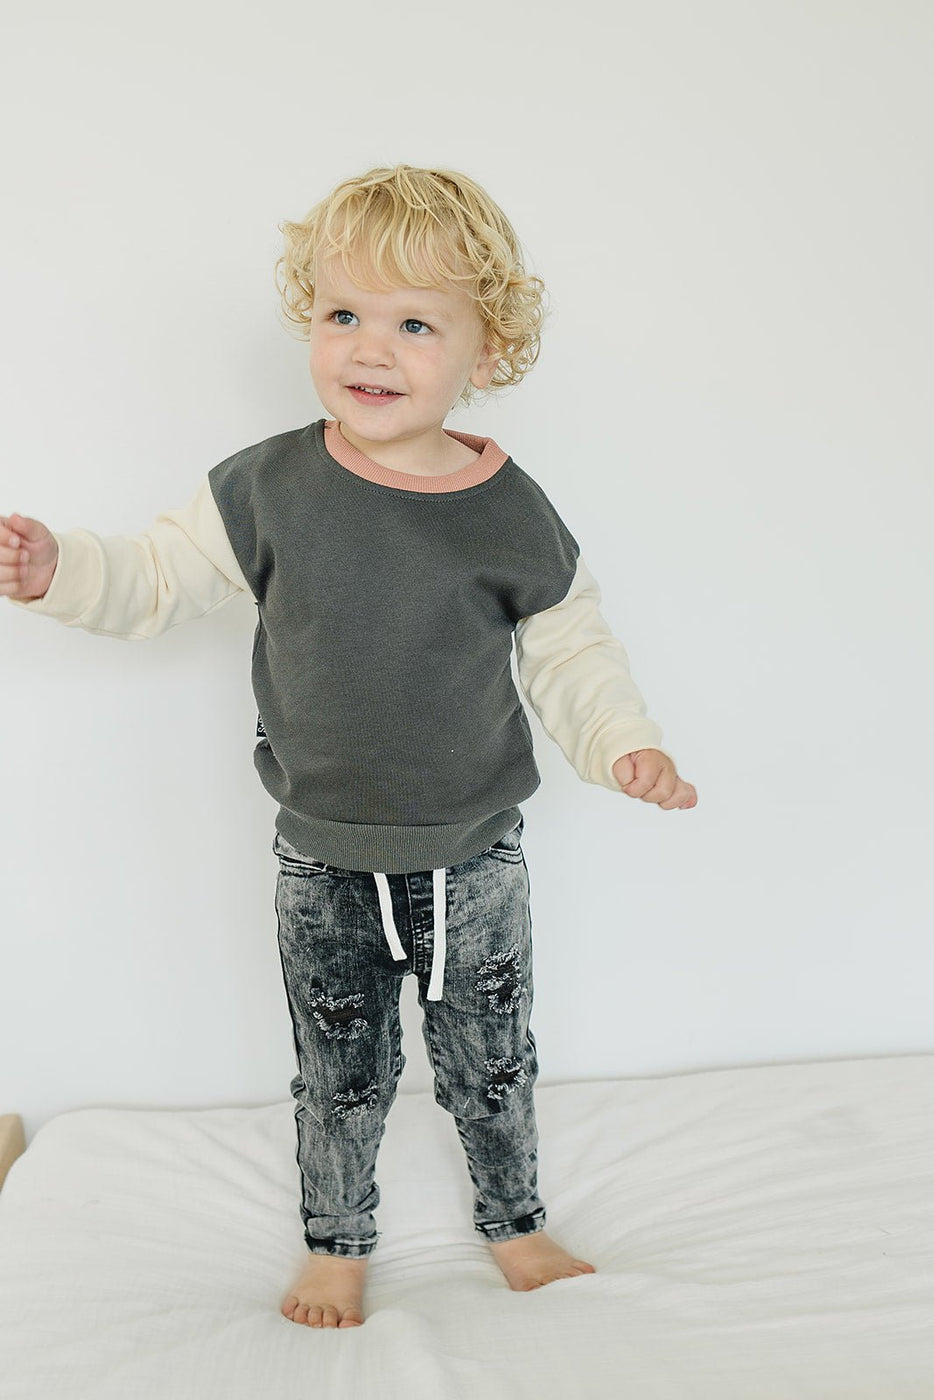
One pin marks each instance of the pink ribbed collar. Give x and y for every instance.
(486, 465)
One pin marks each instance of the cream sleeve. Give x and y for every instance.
(576, 676)
(136, 586)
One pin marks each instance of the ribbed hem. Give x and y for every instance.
(348, 1249)
(394, 850)
(76, 582)
(617, 741)
(514, 1229)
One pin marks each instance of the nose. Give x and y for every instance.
(372, 347)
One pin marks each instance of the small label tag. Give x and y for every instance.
(260, 728)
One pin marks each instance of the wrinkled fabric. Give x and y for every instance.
(343, 979)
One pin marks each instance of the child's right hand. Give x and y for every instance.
(28, 555)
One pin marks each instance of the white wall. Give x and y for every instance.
(731, 205)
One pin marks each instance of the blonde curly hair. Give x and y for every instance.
(406, 226)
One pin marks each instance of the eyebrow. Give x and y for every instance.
(441, 316)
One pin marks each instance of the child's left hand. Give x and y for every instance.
(651, 775)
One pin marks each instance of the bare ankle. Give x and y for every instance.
(531, 1261)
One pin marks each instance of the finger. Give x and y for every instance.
(13, 558)
(637, 786)
(10, 540)
(624, 770)
(24, 527)
(679, 791)
(655, 777)
(662, 791)
(14, 541)
(684, 796)
(646, 766)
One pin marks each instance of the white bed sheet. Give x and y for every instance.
(759, 1234)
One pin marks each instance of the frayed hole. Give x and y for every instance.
(339, 1017)
(505, 1076)
(499, 978)
(353, 1102)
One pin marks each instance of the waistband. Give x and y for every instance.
(390, 932)
(397, 850)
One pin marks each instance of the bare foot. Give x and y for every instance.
(533, 1260)
(329, 1292)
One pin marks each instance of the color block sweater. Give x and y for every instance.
(389, 729)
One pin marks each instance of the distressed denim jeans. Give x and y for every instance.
(343, 987)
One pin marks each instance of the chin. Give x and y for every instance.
(376, 432)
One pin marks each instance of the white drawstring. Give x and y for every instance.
(385, 906)
(439, 939)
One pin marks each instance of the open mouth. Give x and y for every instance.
(370, 393)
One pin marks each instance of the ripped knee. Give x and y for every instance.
(340, 1017)
(505, 1077)
(353, 1103)
(499, 978)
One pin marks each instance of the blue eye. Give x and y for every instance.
(338, 314)
(413, 322)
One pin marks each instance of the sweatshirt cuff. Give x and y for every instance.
(615, 743)
(76, 581)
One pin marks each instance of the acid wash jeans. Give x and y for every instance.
(343, 988)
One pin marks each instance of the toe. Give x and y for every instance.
(312, 1317)
(330, 1318)
(300, 1314)
(351, 1318)
(289, 1305)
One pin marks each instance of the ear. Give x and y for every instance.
(485, 367)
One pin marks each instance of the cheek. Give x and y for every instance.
(438, 362)
(320, 354)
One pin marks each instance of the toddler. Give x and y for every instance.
(392, 561)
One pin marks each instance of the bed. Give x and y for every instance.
(763, 1233)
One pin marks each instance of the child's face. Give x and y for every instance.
(422, 344)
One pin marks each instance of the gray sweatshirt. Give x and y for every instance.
(390, 731)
